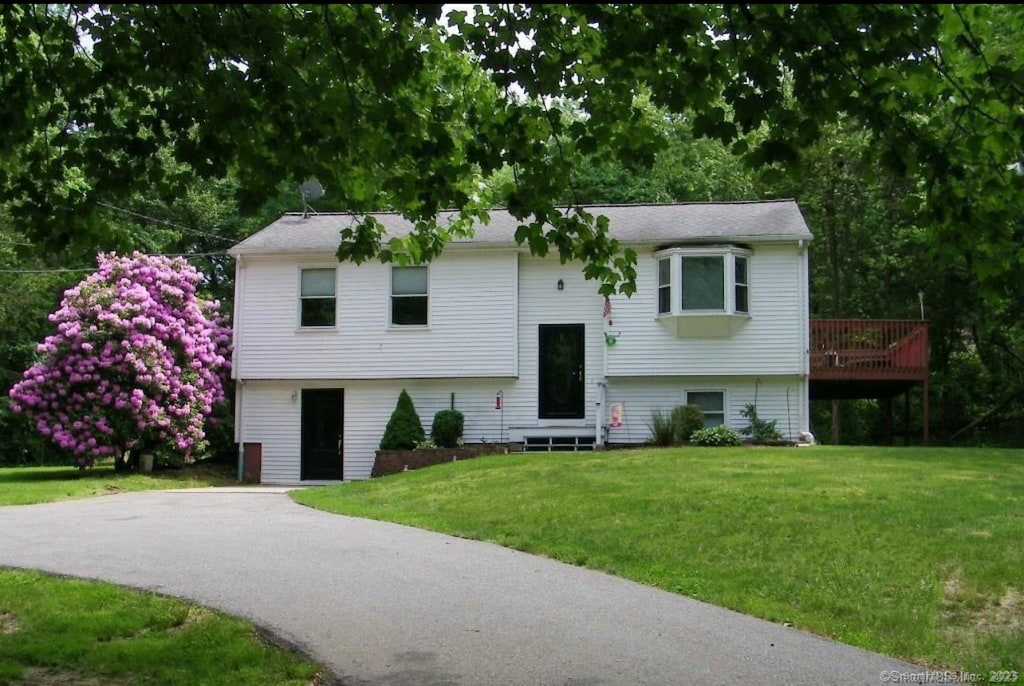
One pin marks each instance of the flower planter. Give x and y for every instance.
(394, 461)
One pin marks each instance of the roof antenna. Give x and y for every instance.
(311, 189)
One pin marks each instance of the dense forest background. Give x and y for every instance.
(896, 236)
(871, 258)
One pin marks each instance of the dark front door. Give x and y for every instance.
(322, 413)
(561, 371)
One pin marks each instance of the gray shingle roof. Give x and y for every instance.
(749, 222)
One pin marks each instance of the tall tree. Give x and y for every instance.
(137, 360)
(389, 109)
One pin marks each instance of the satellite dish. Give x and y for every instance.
(311, 189)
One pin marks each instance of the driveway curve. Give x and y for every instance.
(381, 603)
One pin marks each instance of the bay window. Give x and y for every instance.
(703, 291)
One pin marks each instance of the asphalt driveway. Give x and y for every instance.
(386, 604)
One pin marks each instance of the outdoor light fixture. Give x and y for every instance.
(561, 285)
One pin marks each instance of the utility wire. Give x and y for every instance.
(47, 271)
(92, 269)
(182, 227)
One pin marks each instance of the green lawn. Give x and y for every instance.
(65, 631)
(27, 485)
(916, 553)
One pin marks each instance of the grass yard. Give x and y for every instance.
(916, 553)
(27, 485)
(66, 631)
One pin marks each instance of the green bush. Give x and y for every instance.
(447, 428)
(716, 436)
(685, 420)
(662, 431)
(759, 429)
(166, 456)
(404, 429)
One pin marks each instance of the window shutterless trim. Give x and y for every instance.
(724, 412)
(333, 298)
(728, 254)
(425, 296)
(741, 286)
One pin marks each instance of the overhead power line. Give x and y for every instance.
(54, 270)
(165, 222)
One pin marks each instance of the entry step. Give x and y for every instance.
(546, 444)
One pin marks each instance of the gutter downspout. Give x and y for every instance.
(235, 356)
(805, 334)
(602, 385)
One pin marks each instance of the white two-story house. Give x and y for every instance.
(524, 347)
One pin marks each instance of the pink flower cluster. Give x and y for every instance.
(137, 358)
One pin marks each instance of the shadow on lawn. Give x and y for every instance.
(106, 473)
(41, 474)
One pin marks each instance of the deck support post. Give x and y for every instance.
(836, 421)
(887, 409)
(906, 417)
(924, 412)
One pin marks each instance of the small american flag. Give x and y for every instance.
(607, 306)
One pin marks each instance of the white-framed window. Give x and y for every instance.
(711, 404)
(317, 297)
(703, 280)
(409, 299)
(664, 285)
(740, 277)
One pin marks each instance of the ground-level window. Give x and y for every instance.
(711, 403)
(317, 297)
(409, 296)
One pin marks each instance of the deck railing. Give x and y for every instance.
(869, 349)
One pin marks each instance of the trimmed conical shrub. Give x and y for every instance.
(404, 429)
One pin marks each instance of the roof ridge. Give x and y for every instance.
(627, 204)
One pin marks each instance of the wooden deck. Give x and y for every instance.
(869, 350)
(870, 358)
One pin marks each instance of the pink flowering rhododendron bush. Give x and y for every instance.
(138, 361)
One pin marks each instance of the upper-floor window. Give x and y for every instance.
(703, 280)
(703, 283)
(409, 296)
(740, 281)
(317, 302)
(664, 285)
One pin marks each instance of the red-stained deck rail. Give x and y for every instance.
(869, 349)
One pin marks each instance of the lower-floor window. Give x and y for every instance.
(711, 403)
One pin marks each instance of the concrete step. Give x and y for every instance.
(546, 444)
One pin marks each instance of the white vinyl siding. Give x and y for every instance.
(472, 329)
(783, 399)
(485, 310)
(771, 341)
(541, 302)
(271, 417)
